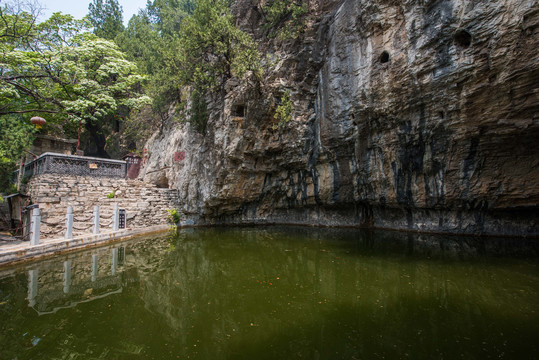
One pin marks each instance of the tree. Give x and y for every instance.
(212, 48)
(17, 136)
(57, 68)
(150, 38)
(192, 44)
(168, 15)
(108, 85)
(284, 18)
(106, 18)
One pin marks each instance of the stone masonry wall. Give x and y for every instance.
(145, 204)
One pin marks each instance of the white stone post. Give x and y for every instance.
(115, 218)
(95, 267)
(67, 276)
(35, 227)
(69, 223)
(96, 220)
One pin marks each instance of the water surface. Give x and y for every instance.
(277, 293)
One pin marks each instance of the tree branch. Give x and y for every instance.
(7, 112)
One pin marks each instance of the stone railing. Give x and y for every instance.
(51, 163)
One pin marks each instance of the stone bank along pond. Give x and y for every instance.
(277, 293)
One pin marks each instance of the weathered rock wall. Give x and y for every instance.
(407, 115)
(145, 204)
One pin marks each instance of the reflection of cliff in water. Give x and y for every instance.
(211, 293)
(445, 246)
(212, 285)
(275, 292)
(198, 269)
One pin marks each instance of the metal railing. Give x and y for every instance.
(52, 163)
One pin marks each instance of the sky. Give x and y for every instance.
(79, 8)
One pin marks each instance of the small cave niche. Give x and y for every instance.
(238, 110)
(462, 38)
(162, 181)
(384, 57)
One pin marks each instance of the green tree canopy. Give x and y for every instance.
(284, 18)
(150, 38)
(212, 48)
(106, 18)
(16, 133)
(188, 43)
(167, 15)
(58, 68)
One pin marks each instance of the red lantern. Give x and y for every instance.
(38, 121)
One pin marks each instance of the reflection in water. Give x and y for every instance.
(277, 293)
(67, 276)
(94, 267)
(114, 261)
(43, 294)
(32, 286)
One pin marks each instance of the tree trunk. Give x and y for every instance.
(98, 138)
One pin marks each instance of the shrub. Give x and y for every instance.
(283, 113)
(173, 216)
(284, 18)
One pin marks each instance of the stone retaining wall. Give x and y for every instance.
(145, 204)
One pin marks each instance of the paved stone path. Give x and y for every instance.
(7, 242)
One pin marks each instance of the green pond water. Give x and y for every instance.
(277, 293)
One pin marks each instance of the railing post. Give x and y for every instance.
(115, 218)
(96, 220)
(69, 223)
(35, 226)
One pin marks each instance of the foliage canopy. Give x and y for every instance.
(17, 136)
(284, 18)
(188, 43)
(58, 70)
(57, 67)
(106, 18)
(185, 49)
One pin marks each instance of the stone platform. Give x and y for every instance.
(17, 251)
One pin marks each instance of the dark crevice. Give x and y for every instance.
(463, 38)
(384, 58)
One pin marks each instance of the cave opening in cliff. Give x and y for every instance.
(384, 58)
(238, 110)
(162, 181)
(463, 38)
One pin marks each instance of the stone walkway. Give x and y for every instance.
(13, 251)
(7, 241)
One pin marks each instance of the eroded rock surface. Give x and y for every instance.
(420, 115)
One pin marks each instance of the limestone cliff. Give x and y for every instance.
(420, 115)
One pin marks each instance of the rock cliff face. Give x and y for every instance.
(419, 115)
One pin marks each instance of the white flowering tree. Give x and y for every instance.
(58, 68)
